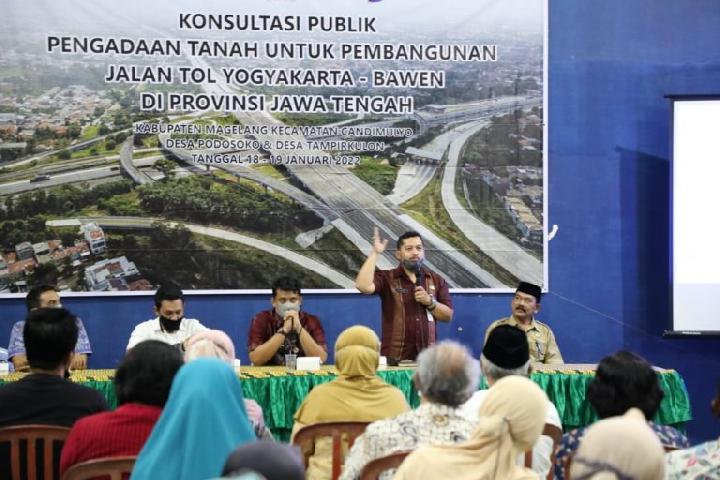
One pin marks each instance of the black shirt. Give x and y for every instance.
(47, 400)
(44, 399)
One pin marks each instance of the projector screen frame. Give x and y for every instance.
(681, 333)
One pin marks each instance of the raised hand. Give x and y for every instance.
(379, 244)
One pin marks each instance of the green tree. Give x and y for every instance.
(30, 146)
(46, 273)
(74, 130)
(67, 237)
(66, 264)
(167, 167)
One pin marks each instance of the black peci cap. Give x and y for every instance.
(530, 289)
(507, 347)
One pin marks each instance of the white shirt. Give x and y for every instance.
(542, 450)
(150, 330)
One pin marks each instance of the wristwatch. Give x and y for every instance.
(432, 306)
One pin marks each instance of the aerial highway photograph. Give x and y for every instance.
(220, 147)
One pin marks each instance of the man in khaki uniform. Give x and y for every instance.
(541, 340)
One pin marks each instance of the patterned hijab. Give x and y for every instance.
(203, 421)
(358, 394)
(619, 448)
(511, 420)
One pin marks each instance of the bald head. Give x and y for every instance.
(447, 373)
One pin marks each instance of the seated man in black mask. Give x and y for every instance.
(169, 326)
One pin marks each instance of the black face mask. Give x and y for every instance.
(168, 325)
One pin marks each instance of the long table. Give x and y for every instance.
(280, 392)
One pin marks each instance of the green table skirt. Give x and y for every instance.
(568, 392)
(280, 393)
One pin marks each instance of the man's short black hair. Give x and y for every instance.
(167, 292)
(289, 284)
(405, 236)
(32, 299)
(50, 335)
(624, 380)
(146, 373)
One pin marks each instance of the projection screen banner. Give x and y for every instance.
(221, 145)
(696, 168)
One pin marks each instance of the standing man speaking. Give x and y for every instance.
(412, 297)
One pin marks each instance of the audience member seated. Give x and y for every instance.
(699, 462)
(169, 326)
(203, 421)
(273, 461)
(45, 396)
(216, 344)
(511, 420)
(212, 344)
(45, 296)
(445, 377)
(619, 448)
(142, 385)
(357, 394)
(285, 329)
(506, 353)
(622, 381)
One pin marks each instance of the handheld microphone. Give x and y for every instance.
(420, 282)
(419, 277)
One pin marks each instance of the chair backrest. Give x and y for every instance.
(113, 467)
(554, 432)
(337, 431)
(373, 469)
(568, 464)
(48, 435)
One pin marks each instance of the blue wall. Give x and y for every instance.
(611, 64)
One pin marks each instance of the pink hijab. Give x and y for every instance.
(216, 344)
(210, 343)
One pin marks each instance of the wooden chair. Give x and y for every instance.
(554, 432)
(568, 464)
(113, 467)
(335, 430)
(373, 469)
(29, 435)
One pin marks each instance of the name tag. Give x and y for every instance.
(310, 364)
